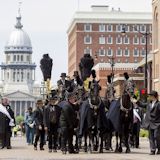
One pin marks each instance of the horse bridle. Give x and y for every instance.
(122, 108)
(94, 107)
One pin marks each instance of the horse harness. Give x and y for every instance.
(122, 108)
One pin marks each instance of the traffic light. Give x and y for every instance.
(143, 94)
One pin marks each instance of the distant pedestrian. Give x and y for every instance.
(29, 125)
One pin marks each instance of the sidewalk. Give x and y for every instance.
(21, 151)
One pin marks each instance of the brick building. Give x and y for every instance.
(100, 32)
(156, 44)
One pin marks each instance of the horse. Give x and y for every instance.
(121, 117)
(92, 118)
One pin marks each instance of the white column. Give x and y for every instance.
(20, 106)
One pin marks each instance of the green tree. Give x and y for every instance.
(19, 119)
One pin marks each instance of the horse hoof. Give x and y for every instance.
(128, 150)
(120, 150)
(101, 150)
(116, 150)
(85, 149)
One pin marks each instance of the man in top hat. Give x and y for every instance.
(68, 122)
(63, 85)
(51, 122)
(76, 79)
(152, 121)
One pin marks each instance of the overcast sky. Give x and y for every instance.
(46, 22)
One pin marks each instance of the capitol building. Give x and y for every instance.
(18, 71)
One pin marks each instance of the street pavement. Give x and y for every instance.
(21, 151)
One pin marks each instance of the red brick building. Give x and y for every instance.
(100, 32)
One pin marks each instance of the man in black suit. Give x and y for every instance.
(51, 122)
(152, 121)
(68, 122)
(38, 116)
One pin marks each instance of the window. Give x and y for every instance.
(119, 28)
(126, 40)
(119, 39)
(109, 40)
(87, 39)
(102, 40)
(143, 40)
(135, 60)
(8, 57)
(22, 76)
(109, 28)
(126, 60)
(143, 28)
(135, 28)
(109, 52)
(136, 39)
(87, 27)
(126, 52)
(28, 76)
(14, 58)
(21, 58)
(17, 57)
(127, 28)
(88, 51)
(14, 76)
(102, 28)
(101, 52)
(28, 58)
(119, 52)
(135, 52)
(18, 77)
(143, 52)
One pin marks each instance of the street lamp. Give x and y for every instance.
(145, 34)
(112, 63)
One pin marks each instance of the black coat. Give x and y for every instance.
(152, 118)
(38, 117)
(46, 117)
(86, 117)
(68, 115)
(67, 84)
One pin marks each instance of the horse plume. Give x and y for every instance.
(46, 66)
(85, 66)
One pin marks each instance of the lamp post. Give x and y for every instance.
(112, 63)
(145, 34)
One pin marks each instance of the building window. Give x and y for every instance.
(101, 28)
(14, 58)
(14, 76)
(101, 52)
(126, 60)
(143, 52)
(127, 28)
(135, 28)
(88, 51)
(22, 76)
(21, 58)
(135, 52)
(119, 39)
(28, 58)
(142, 28)
(126, 52)
(143, 40)
(136, 39)
(109, 28)
(8, 58)
(87, 39)
(17, 57)
(119, 28)
(28, 76)
(109, 40)
(109, 52)
(119, 52)
(126, 40)
(102, 40)
(87, 27)
(135, 60)
(18, 77)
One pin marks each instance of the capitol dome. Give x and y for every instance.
(19, 40)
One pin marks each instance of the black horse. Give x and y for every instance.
(121, 117)
(93, 119)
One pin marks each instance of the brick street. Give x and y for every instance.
(21, 151)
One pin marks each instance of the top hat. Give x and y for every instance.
(75, 73)
(63, 74)
(93, 73)
(153, 93)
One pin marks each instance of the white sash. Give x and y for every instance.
(136, 114)
(4, 111)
